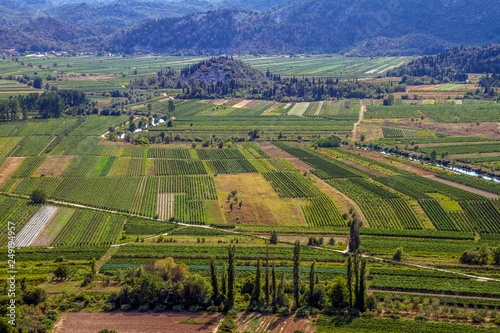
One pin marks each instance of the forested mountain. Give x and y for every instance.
(318, 26)
(122, 14)
(251, 4)
(453, 64)
(357, 27)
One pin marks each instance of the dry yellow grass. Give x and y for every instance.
(261, 204)
(54, 165)
(8, 168)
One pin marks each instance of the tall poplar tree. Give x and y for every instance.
(296, 273)
(231, 277)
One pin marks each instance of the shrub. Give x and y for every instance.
(227, 325)
(303, 312)
(398, 255)
(421, 318)
(34, 296)
(394, 316)
(160, 308)
(368, 315)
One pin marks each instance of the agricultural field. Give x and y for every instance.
(223, 174)
(324, 66)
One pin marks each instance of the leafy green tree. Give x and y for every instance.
(147, 289)
(5, 327)
(296, 274)
(338, 293)
(433, 156)
(195, 291)
(50, 105)
(38, 196)
(61, 272)
(496, 255)
(484, 252)
(37, 82)
(14, 108)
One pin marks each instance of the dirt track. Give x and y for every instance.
(134, 322)
(465, 187)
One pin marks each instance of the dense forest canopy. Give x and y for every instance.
(357, 27)
(452, 65)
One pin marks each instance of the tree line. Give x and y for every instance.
(169, 286)
(449, 66)
(51, 104)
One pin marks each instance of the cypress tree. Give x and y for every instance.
(215, 283)
(354, 238)
(360, 297)
(296, 273)
(312, 273)
(266, 291)
(356, 277)
(224, 280)
(230, 277)
(273, 274)
(349, 279)
(255, 300)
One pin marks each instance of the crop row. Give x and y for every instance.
(483, 214)
(178, 167)
(150, 197)
(32, 145)
(28, 166)
(172, 153)
(439, 217)
(255, 149)
(321, 212)
(436, 285)
(19, 212)
(229, 166)
(80, 166)
(382, 208)
(89, 228)
(219, 154)
(85, 253)
(139, 226)
(291, 185)
(220, 252)
(196, 187)
(36, 127)
(330, 169)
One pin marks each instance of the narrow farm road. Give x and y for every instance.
(371, 291)
(355, 128)
(465, 187)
